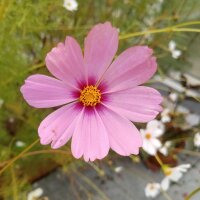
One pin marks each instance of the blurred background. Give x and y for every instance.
(28, 31)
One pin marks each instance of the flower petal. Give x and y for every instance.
(90, 138)
(42, 91)
(156, 143)
(59, 126)
(124, 137)
(176, 175)
(66, 62)
(149, 147)
(156, 128)
(100, 47)
(139, 104)
(165, 184)
(133, 67)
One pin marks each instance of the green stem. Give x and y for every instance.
(187, 152)
(94, 186)
(18, 156)
(187, 24)
(130, 35)
(186, 30)
(14, 183)
(159, 160)
(175, 28)
(97, 169)
(193, 193)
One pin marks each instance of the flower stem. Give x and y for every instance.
(14, 183)
(187, 152)
(162, 165)
(175, 28)
(159, 160)
(94, 186)
(193, 193)
(18, 156)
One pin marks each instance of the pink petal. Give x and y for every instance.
(59, 126)
(133, 67)
(90, 138)
(139, 104)
(100, 47)
(124, 137)
(42, 91)
(66, 62)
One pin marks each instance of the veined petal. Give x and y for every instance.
(124, 138)
(176, 175)
(149, 147)
(90, 138)
(133, 67)
(156, 128)
(156, 143)
(42, 91)
(165, 184)
(59, 126)
(100, 47)
(139, 104)
(66, 62)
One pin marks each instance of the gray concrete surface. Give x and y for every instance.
(129, 184)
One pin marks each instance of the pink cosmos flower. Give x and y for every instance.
(100, 98)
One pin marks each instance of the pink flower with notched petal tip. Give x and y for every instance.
(100, 98)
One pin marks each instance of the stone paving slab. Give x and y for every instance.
(127, 185)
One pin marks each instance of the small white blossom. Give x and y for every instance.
(165, 115)
(150, 135)
(20, 144)
(118, 169)
(172, 45)
(173, 96)
(152, 190)
(172, 48)
(70, 5)
(176, 54)
(35, 194)
(173, 175)
(197, 139)
(165, 148)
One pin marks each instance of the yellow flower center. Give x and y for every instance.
(168, 172)
(148, 136)
(90, 96)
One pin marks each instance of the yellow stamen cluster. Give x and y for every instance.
(168, 172)
(148, 136)
(90, 96)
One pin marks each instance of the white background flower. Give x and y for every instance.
(70, 5)
(165, 148)
(35, 194)
(20, 143)
(173, 175)
(150, 135)
(172, 48)
(173, 96)
(197, 140)
(118, 169)
(165, 115)
(152, 190)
